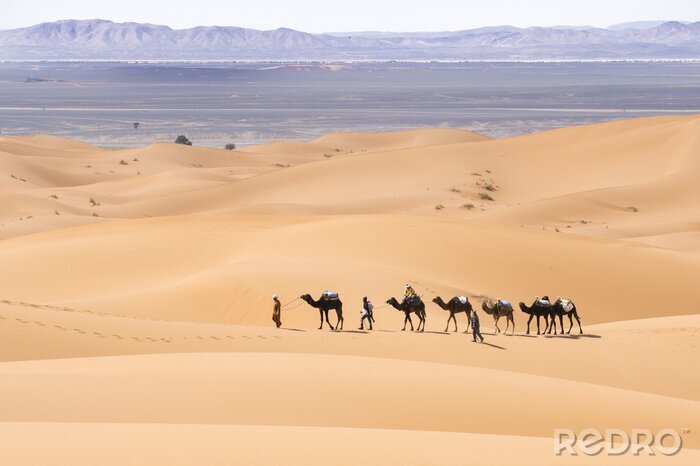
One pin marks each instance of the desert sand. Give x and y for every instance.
(135, 311)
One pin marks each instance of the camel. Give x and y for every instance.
(416, 307)
(538, 309)
(455, 306)
(498, 309)
(559, 309)
(323, 306)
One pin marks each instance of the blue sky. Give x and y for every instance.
(354, 15)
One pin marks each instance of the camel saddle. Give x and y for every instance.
(415, 300)
(330, 295)
(567, 305)
(462, 299)
(544, 302)
(504, 302)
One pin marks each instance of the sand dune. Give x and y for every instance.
(136, 284)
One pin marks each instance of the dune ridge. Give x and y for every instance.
(135, 303)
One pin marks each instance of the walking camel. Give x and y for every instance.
(499, 308)
(323, 306)
(455, 306)
(566, 307)
(539, 309)
(416, 306)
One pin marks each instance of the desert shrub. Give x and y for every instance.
(182, 139)
(485, 196)
(230, 146)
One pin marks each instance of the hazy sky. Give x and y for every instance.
(353, 15)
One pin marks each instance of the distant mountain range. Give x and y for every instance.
(100, 39)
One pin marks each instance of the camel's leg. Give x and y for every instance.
(528, 324)
(422, 321)
(320, 313)
(553, 325)
(447, 325)
(579, 322)
(495, 321)
(571, 324)
(328, 321)
(512, 321)
(561, 324)
(341, 320)
(408, 316)
(454, 319)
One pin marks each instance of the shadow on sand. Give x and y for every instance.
(491, 345)
(292, 329)
(573, 337)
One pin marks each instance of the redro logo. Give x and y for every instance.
(616, 442)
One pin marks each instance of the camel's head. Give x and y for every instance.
(305, 297)
(436, 299)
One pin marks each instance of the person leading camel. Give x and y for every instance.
(476, 327)
(367, 308)
(277, 311)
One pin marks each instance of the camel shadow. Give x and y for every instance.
(387, 331)
(436, 333)
(574, 337)
(292, 329)
(522, 335)
(364, 332)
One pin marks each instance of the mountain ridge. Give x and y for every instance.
(104, 39)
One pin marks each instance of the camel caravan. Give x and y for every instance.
(412, 303)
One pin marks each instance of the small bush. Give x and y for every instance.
(53, 196)
(439, 207)
(468, 206)
(123, 162)
(182, 139)
(456, 190)
(230, 146)
(633, 209)
(93, 202)
(485, 197)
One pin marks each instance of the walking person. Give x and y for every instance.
(277, 311)
(476, 330)
(367, 308)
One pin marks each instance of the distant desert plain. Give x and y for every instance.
(136, 296)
